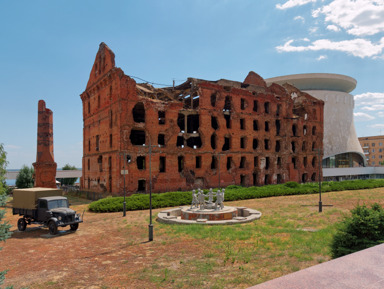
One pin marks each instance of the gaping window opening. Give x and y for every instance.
(255, 125)
(89, 145)
(181, 121)
(278, 110)
(242, 162)
(254, 176)
(89, 164)
(194, 142)
(227, 143)
(266, 107)
(213, 99)
(140, 161)
(229, 163)
(97, 143)
(228, 103)
(161, 116)
(277, 146)
(141, 185)
(89, 106)
(267, 163)
(304, 178)
(266, 180)
(138, 112)
(162, 165)
(266, 126)
(110, 119)
(180, 163)
(161, 139)
(305, 162)
(193, 123)
(137, 137)
(255, 105)
(242, 103)
(213, 141)
(294, 129)
(314, 162)
(304, 130)
(255, 162)
(255, 143)
(198, 162)
(294, 163)
(267, 144)
(314, 130)
(279, 179)
(313, 177)
(278, 162)
(98, 101)
(110, 141)
(214, 123)
(227, 120)
(278, 125)
(180, 141)
(100, 162)
(214, 163)
(293, 145)
(242, 123)
(243, 180)
(243, 142)
(314, 146)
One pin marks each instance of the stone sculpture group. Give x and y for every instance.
(199, 201)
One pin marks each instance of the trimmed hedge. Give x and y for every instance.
(232, 193)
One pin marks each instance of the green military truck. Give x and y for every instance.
(44, 206)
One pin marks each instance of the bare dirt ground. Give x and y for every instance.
(111, 251)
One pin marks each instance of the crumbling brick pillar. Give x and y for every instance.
(45, 166)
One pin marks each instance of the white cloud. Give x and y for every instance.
(380, 114)
(373, 96)
(377, 125)
(333, 28)
(361, 116)
(321, 57)
(357, 17)
(357, 47)
(313, 30)
(373, 107)
(12, 147)
(299, 18)
(293, 3)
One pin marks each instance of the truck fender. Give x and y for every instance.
(53, 219)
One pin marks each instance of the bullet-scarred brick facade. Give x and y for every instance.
(199, 134)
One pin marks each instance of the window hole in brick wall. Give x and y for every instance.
(193, 123)
(267, 144)
(243, 142)
(304, 146)
(304, 178)
(313, 177)
(293, 145)
(266, 126)
(242, 162)
(140, 161)
(255, 143)
(228, 103)
(213, 141)
(213, 99)
(279, 179)
(304, 130)
(294, 130)
(214, 163)
(243, 180)
(254, 176)
(198, 162)
(242, 123)
(181, 121)
(227, 120)
(229, 163)
(227, 144)
(137, 137)
(162, 165)
(277, 146)
(180, 163)
(294, 162)
(214, 123)
(194, 142)
(314, 161)
(278, 125)
(161, 115)
(305, 162)
(278, 110)
(255, 125)
(242, 104)
(138, 112)
(255, 162)
(267, 163)
(314, 130)
(255, 105)
(180, 141)
(161, 139)
(141, 185)
(266, 107)
(100, 162)
(278, 162)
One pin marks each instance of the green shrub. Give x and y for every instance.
(291, 184)
(232, 193)
(363, 229)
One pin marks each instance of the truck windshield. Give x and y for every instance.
(57, 204)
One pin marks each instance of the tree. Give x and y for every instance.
(4, 226)
(3, 169)
(25, 178)
(68, 181)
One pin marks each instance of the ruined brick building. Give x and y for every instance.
(200, 133)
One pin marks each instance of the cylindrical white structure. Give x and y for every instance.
(341, 145)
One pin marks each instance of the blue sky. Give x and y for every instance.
(48, 48)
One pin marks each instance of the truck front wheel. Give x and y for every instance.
(74, 227)
(52, 227)
(21, 224)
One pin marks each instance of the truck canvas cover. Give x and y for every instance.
(26, 198)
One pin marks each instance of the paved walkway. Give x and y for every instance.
(360, 270)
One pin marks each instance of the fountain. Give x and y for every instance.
(209, 211)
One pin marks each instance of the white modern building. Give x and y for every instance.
(342, 148)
